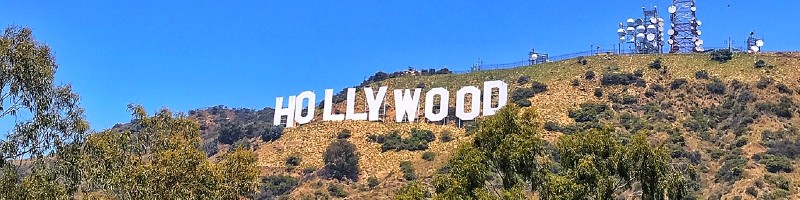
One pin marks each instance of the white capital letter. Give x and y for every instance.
(374, 102)
(299, 107)
(444, 97)
(280, 111)
(502, 96)
(351, 106)
(406, 104)
(475, 104)
(327, 115)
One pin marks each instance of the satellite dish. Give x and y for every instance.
(661, 29)
(622, 39)
(754, 48)
(630, 30)
(653, 20)
(749, 51)
(698, 43)
(534, 56)
(698, 22)
(640, 29)
(621, 32)
(639, 22)
(661, 23)
(651, 37)
(671, 32)
(630, 21)
(759, 43)
(640, 36)
(698, 32)
(694, 9)
(672, 9)
(698, 49)
(651, 28)
(670, 41)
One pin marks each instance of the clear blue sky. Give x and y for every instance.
(192, 54)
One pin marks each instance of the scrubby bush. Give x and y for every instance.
(777, 164)
(581, 60)
(344, 134)
(589, 75)
(372, 182)
(309, 170)
(588, 112)
(276, 185)
(732, 170)
(702, 74)
(598, 92)
(418, 141)
(520, 95)
(782, 88)
(763, 82)
(538, 87)
(420, 85)
(428, 156)
(337, 191)
(677, 83)
(575, 82)
(293, 160)
(446, 136)
(619, 79)
(716, 87)
(523, 80)
(760, 64)
(272, 133)
(656, 64)
(552, 126)
(408, 170)
(341, 160)
(779, 181)
(211, 148)
(722, 55)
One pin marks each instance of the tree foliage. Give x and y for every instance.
(160, 158)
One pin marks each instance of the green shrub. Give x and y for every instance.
(782, 88)
(372, 182)
(763, 82)
(446, 136)
(598, 92)
(575, 82)
(702, 74)
(523, 80)
(412, 191)
(778, 180)
(716, 87)
(344, 134)
(337, 191)
(428, 156)
(732, 170)
(589, 75)
(588, 112)
(341, 160)
(656, 64)
(777, 164)
(418, 141)
(293, 160)
(722, 55)
(760, 64)
(552, 126)
(619, 79)
(408, 170)
(276, 185)
(309, 170)
(677, 83)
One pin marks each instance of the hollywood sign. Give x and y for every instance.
(406, 104)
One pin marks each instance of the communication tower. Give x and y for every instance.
(684, 35)
(646, 33)
(754, 44)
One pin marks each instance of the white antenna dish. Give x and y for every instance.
(630, 30)
(661, 29)
(698, 32)
(534, 56)
(653, 20)
(670, 41)
(671, 32)
(694, 9)
(622, 39)
(698, 22)
(651, 28)
(698, 48)
(651, 37)
(640, 29)
(661, 23)
(698, 42)
(630, 21)
(754, 48)
(640, 36)
(639, 22)
(749, 51)
(621, 32)
(672, 9)
(759, 43)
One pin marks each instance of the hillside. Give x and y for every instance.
(731, 124)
